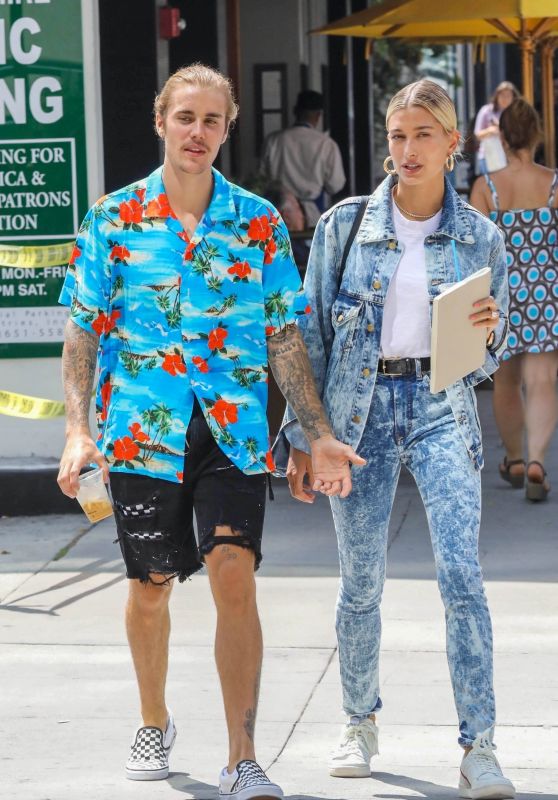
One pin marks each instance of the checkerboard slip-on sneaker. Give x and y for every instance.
(247, 782)
(481, 777)
(149, 757)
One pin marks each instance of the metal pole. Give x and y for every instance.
(350, 105)
(547, 57)
(371, 109)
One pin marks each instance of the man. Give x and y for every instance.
(305, 160)
(184, 287)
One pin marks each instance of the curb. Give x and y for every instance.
(29, 488)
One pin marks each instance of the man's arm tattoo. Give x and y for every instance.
(79, 360)
(291, 367)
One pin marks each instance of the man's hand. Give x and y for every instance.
(331, 463)
(299, 468)
(79, 451)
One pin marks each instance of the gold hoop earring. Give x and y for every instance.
(386, 168)
(450, 163)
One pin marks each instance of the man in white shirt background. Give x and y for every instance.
(305, 159)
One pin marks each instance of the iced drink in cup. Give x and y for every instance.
(93, 496)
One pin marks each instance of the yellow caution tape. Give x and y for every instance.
(21, 405)
(51, 255)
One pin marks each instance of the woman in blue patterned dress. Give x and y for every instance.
(523, 199)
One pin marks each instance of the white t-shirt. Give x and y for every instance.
(406, 323)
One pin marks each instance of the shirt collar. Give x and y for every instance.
(221, 205)
(377, 224)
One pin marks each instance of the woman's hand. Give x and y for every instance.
(487, 316)
(299, 467)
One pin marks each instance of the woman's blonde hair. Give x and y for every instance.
(202, 77)
(427, 95)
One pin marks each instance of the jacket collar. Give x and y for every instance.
(221, 206)
(377, 224)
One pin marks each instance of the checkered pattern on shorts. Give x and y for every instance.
(146, 536)
(138, 510)
(148, 751)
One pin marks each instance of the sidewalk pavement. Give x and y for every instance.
(69, 696)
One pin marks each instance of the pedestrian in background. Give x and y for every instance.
(490, 155)
(523, 199)
(184, 287)
(305, 159)
(369, 343)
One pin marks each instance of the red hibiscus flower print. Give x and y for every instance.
(259, 229)
(269, 252)
(76, 252)
(225, 413)
(200, 363)
(269, 330)
(189, 252)
(137, 433)
(120, 252)
(140, 193)
(125, 449)
(240, 269)
(217, 338)
(269, 462)
(104, 324)
(173, 364)
(106, 391)
(180, 476)
(308, 309)
(159, 207)
(131, 211)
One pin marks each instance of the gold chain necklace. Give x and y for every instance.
(410, 213)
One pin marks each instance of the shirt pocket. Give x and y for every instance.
(345, 314)
(151, 304)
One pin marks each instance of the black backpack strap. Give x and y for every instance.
(350, 239)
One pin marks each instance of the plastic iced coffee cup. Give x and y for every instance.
(93, 496)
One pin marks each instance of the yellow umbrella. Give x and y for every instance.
(528, 23)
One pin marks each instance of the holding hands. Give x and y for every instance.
(326, 470)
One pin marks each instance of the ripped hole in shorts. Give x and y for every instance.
(238, 538)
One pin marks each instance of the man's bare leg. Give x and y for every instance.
(238, 642)
(148, 628)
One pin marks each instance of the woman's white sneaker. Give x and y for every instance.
(149, 756)
(481, 776)
(357, 745)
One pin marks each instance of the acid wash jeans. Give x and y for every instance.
(409, 425)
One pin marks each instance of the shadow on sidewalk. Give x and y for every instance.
(426, 789)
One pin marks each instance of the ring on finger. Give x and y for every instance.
(494, 315)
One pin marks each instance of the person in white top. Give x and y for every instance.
(306, 160)
(368, 339)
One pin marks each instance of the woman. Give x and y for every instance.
(486, 124)
(523, 200)
(369, 342)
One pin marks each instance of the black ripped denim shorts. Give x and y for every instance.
(154, 517)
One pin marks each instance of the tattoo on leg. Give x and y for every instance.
(229, 552)
(250, 715)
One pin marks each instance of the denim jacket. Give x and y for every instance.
(342, 334)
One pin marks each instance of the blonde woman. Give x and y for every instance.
(369, 342)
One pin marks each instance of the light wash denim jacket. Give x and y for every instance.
(342, 333)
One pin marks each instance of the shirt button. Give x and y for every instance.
(377, 285)
(340, 318)
(356, 419)
(366, 372)
(392, 245)
(370, 327)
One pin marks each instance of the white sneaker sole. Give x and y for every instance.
(497, 791)
(347, 771)
(271, 792)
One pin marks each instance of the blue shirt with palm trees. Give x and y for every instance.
(180, 317)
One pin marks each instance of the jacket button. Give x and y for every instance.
(366, 372)
(356, 419)
(392, 245)
(340, 318)
(376, 285)
(369, 327)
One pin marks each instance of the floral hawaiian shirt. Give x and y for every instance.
(180, 317)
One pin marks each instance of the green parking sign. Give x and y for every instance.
(43, 170)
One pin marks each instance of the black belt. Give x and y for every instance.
(403, 366)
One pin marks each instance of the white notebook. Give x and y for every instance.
(457, 348)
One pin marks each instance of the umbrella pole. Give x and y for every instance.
(547, 58)
(527, 47)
